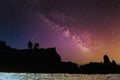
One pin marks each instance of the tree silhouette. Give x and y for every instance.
(30, 45)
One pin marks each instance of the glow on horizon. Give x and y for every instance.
(81, 30)
(80, 48)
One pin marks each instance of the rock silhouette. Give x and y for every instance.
(47, 61)
(106, 59)
(96, 67)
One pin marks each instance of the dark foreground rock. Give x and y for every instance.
(48, 61)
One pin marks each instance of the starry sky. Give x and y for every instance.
(81, 30)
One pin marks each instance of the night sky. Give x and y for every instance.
(81, 30)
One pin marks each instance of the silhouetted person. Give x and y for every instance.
(36, 45)
(30, 45)
(106, 60)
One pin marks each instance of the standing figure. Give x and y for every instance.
(30, 45)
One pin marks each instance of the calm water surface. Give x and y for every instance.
(30, 76)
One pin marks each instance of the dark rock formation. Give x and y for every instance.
(48, 61)
(106, 60)
(33, 60)
(96, 67)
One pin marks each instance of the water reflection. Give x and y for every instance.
(32, 76)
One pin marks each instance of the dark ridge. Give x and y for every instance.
(39, 60)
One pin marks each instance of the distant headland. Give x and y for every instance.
(39, 60)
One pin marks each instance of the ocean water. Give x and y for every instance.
(31, 76)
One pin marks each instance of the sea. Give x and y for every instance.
(41, 76)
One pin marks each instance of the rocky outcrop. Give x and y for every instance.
(33, 60)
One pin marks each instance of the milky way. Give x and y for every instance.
(81, 30)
